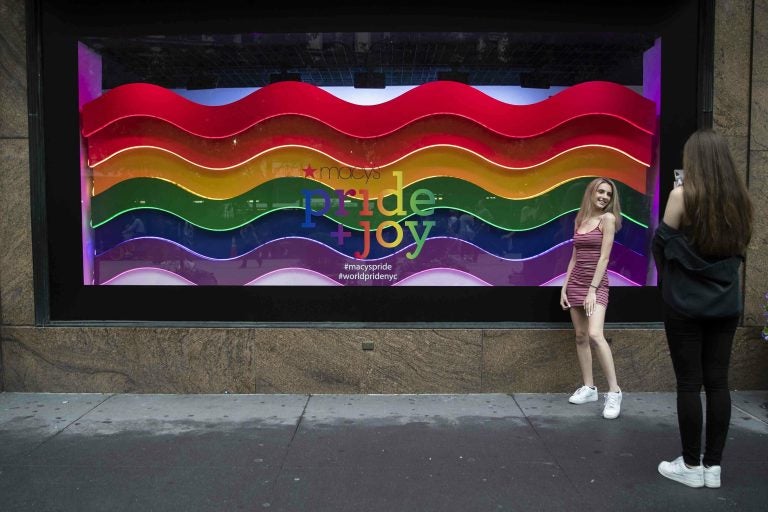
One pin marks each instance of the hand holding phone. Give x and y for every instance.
(679, 173)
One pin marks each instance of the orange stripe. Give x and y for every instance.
(436, 161)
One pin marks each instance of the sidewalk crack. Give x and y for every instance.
(761, 420)
(56, 434)
(551, 453)
(288, 449)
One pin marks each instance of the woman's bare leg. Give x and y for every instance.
(602, 349)
(583, 351)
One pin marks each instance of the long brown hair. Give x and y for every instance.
(718, 210)
(586, 202)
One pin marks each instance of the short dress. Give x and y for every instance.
(588, 246)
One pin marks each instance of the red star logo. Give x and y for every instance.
(309, 172)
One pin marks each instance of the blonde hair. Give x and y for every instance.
(586, 202)
(715, 196)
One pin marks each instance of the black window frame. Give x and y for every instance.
(54, 26)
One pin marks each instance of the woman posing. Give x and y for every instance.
(698, 248)
(585, 291)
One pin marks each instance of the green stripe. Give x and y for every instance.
(280, 193)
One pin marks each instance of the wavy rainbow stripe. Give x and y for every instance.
(319, 258)
(427, 163)
(511, 214)
(298, 98)
(438, 130)
(287, 223)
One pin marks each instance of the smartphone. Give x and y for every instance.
(679, 173)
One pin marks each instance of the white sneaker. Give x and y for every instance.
(612, 407)
(679, 472)
(712, 476)
(583, 395)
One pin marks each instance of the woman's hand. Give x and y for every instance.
(590, 301)
(564, 299)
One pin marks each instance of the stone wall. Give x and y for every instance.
(173, 360)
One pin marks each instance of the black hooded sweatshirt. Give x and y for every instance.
(691, 284)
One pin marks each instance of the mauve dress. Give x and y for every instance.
(588, 247)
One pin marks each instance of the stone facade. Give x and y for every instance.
(306, 360)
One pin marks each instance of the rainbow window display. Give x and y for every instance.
(441, 185)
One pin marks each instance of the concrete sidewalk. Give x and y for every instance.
(389, 453)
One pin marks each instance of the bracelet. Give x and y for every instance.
(593, 286)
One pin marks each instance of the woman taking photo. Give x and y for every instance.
(698, 248)
(585, 291)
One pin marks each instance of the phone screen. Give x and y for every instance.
(679, 173)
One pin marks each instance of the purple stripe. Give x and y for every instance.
(305, 253)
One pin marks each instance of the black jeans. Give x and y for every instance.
(701, 354)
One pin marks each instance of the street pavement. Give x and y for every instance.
(388, 453)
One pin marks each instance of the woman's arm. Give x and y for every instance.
(609, 230)
(673, 213)
(563, 297)
(673, 217)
